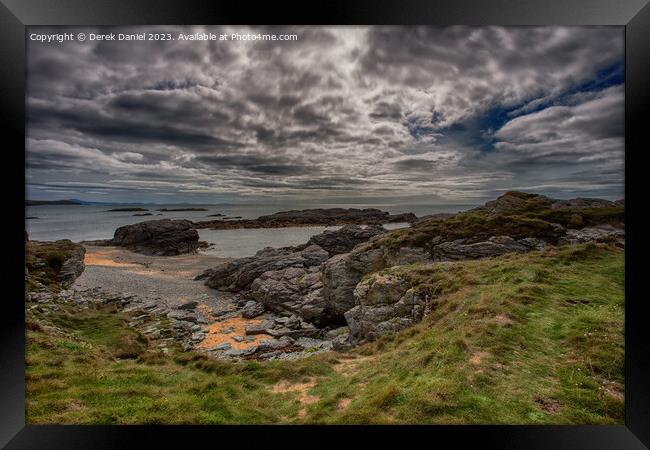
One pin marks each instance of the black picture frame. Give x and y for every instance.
(15, 15)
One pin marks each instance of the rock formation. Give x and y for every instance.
(329, 216)
(163, 237)
(343, 280)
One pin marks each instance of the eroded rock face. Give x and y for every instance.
(513, 200)
(345, 239)
(295, 290)
(238, 275)
(385, 304)
(582, 203)
(406, 255)
(341, 274)
(495, 246)
(73, 266)
(163, 237)
(602, 233)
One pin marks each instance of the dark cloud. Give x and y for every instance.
(345, 112)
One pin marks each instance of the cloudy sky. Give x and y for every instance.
(343, 114)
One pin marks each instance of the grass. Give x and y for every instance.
(534, 338)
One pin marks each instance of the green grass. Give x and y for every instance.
(534, 338)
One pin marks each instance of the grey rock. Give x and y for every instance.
(182, 316)
(582, 203)
(73, 266)
(224, 346)
(407, 255)
(252, 309)
(385, 304)
(340, 276)
(457, 250)
(342, 342)
(273, 344)
(293, 290)
(198, 336)
(336, 332)
(164, 237)
(260, 328)
(345, 239)
(188, 306)
(239, 274)
(306, 342)
(600, 233)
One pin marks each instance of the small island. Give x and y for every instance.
(127, 210)
(182, 209)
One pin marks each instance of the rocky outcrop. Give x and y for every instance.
(341, 274)
(238, 275)
(582, 203)
(344, 239)
(497, 245)
(602, 233)
(514, 200)
(73, 266)
(384, 304)
(163, 237)
(58, 262)
(327, 216)
(333, 279)
(294, 290)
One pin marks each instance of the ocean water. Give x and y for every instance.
(90, 222)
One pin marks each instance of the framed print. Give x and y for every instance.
(364, 218)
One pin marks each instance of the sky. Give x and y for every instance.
(435, 115)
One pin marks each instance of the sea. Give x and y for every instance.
(90, 222)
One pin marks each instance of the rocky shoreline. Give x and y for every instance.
(337, 290)
(343, 288)
(311, 217)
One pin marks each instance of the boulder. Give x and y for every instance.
(600, 233)
(73, 266)
(182, 315)
(343, 240)
(237, 275)
(340, 275)
(384, 304)
(259, 328)
(165, 237)
(497, 245)
(191, 305)
(294, 289)
(252, 309)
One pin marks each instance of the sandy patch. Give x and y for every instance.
(104, 258)
(477, 358)
(343, 404)
(503, 320)
(226, 330)
(302, 389)
(348, 365)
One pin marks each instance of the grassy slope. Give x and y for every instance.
(534, 338)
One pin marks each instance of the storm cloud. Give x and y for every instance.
(453, 114)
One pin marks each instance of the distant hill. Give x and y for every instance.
(54, 202)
